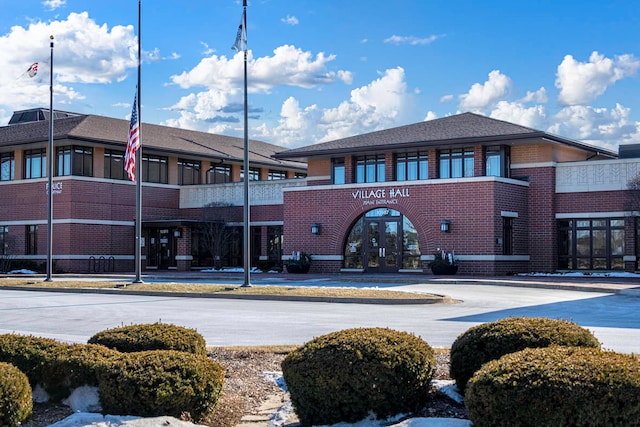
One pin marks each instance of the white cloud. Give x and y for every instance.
(516, 112)
(582, 82)
(446, 98)
(53, 4)
(290, 20)
(430, 116)
(481, 96)
(411, 40)
(84, 52)
(380, 104)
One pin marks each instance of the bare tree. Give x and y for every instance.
(633, 195)
(214, 231)
(7, 255)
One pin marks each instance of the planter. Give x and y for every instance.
(298, 268)
(444, 269)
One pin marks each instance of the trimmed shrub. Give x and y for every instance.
(556, 386)
(15, 395)
(27, 353)
(490, 341)
(155, 336)
(160, 382)
(346, 375)
(72, 366)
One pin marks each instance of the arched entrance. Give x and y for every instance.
(382, 241)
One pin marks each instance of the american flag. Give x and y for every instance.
(133, 142)
(33, 70)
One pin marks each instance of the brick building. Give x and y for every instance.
(505, 198)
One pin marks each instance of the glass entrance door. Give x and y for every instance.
(381, 245)
(162, 247)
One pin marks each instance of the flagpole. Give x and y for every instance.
(50, 175)
(138, 239)
(247, 222)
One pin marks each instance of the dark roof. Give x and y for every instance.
(460, 129)
(109, 131)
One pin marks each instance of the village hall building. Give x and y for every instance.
(503, 198)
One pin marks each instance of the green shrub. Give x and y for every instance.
(72, 366)
(160, 382)
(155, 336)
(15, 395)
(345, 375)
(27, 353)
(556, 386)
(490, 341)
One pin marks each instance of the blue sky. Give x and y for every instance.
(326, 69)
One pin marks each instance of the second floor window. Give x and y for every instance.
(412, 166)
(456, 163)
(370, 169)
(35, 163)
(219, 174)
(7, 167)
(337, 171)
(254, 174)
(74, 160)
(114, 164)
(155, 169)
(276, 174)
(497, 161)
(188, 172)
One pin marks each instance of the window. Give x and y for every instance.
(337, 171)
(299, 175)
(456, 163)
(591, 244)
(74, 160)
(35, 163)
(7, 167)
(31, 240)
(114, 164)
(370, 169)
(219, 174)
(507, 235)
(188, 172)
(4, 240)
(254, 174)
(154, 169)
(497, 161)
(412, 166)
(274, 239)
(276, 174)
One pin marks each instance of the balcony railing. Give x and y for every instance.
(260, 193)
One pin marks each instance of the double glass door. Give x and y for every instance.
(382, 245)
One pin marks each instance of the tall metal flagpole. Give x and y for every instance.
(50, 174)
(138, 240)
(247, 222)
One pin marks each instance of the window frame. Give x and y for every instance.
(502, 153)
(9, 159)
(369, 169)
(276, 174)
(406, 161)
(30, 157)
(161, 175)
(338, 171)
(456, 163)
(189, 172)
(114, 165)
(219, 170)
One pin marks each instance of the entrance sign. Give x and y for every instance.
(380, 196)
(57, 187)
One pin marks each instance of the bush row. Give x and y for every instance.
(517, 371)
(144, 383)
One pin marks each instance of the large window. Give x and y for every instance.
(4, 240)
(7, 167)
(456, 163)
(370, 169)
(35, 163)
(497, 161)
(155, 169)
(74, 160)
(254, 174)
(337, 171)
(114, 164)
(188, 172)
(31, 240)
(219, 174)
(276, 174)
(412, 166)
(591, 244)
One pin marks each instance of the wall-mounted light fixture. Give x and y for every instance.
(315, 229)
(445, 225)
(177, 233)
